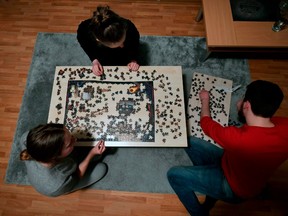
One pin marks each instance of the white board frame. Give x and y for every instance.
(170, 129)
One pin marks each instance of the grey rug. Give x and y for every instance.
(130, 169)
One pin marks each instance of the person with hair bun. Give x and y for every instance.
(51, 169)
(109, 40)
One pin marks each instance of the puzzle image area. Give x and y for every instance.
(220, 100)
(124, 108)
(90, 103)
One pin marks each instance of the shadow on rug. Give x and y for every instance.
(130, 169)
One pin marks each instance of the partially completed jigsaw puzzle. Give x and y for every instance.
(143, 108)
(220, 98)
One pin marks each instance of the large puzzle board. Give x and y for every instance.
(143, 108)
(220, 100)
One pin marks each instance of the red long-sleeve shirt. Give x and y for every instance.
(251, 154)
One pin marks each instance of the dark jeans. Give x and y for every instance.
(205, 177)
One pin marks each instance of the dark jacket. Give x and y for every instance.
(105, 55)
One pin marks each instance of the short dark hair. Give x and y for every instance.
(265, 97)
(45, 142)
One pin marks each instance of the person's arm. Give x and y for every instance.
(132, 41)
(96, 150)
(205, 103)
(86, 41)
(227, 137)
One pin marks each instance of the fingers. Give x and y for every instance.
(101, 146)
(133, 66)
(97, 68)
(204, 94)
(203, 90)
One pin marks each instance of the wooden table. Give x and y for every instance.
(225, 35)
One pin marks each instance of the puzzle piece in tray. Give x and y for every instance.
(219, 102)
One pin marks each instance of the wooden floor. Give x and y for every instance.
(20, 20)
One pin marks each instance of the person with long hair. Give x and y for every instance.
(109, 40)
(46, 151)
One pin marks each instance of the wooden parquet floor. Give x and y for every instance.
(20, 20)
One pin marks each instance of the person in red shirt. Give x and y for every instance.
(248, 157)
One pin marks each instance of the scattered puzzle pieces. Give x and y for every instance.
(220, 100)
(143, 108)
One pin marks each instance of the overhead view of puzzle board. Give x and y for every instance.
(220, 91)
(139, 109)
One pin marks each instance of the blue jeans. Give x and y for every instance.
(205, 177)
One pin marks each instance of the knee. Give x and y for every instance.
(195, 143)
(170, 172)
(173, 173)
(98, 172)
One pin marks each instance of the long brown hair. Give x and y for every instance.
(107, 26)
(44, 143)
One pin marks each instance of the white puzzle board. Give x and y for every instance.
(139, 109)
(220, 100)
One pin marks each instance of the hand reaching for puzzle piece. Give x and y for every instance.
(97, 68)
(204, 95)
(99, 148)
(133, 66)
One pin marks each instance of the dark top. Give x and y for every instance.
(105, 55)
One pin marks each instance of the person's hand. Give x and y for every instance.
(133, 66)
(99, 148)
(204, 98)
(97, 68)
(204, 95)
